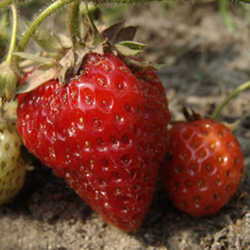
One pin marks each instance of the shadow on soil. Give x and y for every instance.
(165, 226)
(46, 198)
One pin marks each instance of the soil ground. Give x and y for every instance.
(204, 60)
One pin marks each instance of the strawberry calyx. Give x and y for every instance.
(191, 115)
(63, 58)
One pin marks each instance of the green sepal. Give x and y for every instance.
(49, 41)
(62, 70)
(8, 81)
(129, 48)
(36, 58)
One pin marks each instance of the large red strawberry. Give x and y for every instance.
(204, 166)
(104, 132)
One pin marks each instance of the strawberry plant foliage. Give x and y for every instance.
(94, 113)
(97, 114)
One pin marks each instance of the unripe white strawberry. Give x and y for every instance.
(12, 167)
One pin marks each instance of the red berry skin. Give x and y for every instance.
(104, 132)
(204, 168)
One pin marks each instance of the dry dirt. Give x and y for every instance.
(204, 61)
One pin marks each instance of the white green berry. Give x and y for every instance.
(12, 167)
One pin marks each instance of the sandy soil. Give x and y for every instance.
(204, 60)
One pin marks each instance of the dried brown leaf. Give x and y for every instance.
(126, 34)
(37, 78)
(111, 32)
(67, 66)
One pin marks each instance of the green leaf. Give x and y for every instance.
(129, 48)
(35, 58)
(48, 41)
(133, 45)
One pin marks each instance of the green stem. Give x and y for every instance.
(13, 34)
(234, 93)
(50, 10)
(74, 20)
(91, 24)
(90, 19)
(5, 3)
(35, 24)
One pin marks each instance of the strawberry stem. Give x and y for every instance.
(36, 23)
(49, 11)
(13, 34)
(190, 114)
(5, 3)
(97, 36)
(216, 114)
(74, 12)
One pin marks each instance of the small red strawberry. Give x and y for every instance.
(104, 132)
(204, 168)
